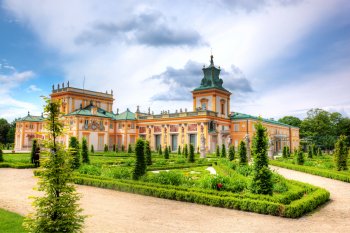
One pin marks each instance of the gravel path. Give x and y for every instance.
(112, 211)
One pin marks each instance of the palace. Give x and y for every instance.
(89, 114)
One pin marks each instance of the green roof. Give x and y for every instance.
(127, 115)
(87, 111)
(32, 118)
(211, 79)
(239, 116)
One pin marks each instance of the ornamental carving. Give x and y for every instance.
(174, 128)
(192, 127)
(142, 130)
(157, 129)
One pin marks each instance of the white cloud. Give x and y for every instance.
(34, 88)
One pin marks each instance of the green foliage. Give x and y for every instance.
(179, 150)
(197, 150)
(123, 148)
(129, 149)
(114, 147)
(217, 151)
(89, 170)
(169, 149)
(1, 157)
(191, 155)
(160, 152)
(300, 157)
(166, 153)
(105, 148)
(319, 152)
(285, 152)
(10, 222)
(140, 165)
(341, 153)
(85, 151)
(223, 151)
(291, 120)
(92, 150)
(166, 177)
(116, 172)
(57, 210)
(186, 150)
(74, 151)
(148, 153)
(261, 181)
(242, 152)
(32, 153)
(310, 152)
(231, 153)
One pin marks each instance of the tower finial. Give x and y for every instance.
(211, 58)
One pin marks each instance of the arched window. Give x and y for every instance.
(222, 105)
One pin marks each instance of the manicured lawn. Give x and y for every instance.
(10, 222)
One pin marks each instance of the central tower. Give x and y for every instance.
(211, 95)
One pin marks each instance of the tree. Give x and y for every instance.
(1, 156)
(217, 151)
(32, 153)
(58, 209)
(85, 151)
(223, 151)
(319, 152)
(123, 148)
(197, 150)
(242, 152)
(291, 120)
(231, 153)
(10, 136)
(105, 149)
(148, 153)
(160, 152)
(129, 149)
(166, 153)
(140, 165)
(179, 150)
(341, 153)
(92, 149)
(114, 148)
(169, 149)
(284, 152)
(191, 155)
(117, 148)
(300, 157)
(310, 152)
(4, 129)
(74, 151)
(262, 176)
(186, 150)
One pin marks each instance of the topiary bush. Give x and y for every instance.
(148, 153)
(32, 153)
(1, 157)
(166, 153)
(186, 150)
(223, 151)
(300, 157)
(105, 148)
(85, 151)
(92, 150)
(160, 152)
(341, 153)
(310, 152)
(191, 155)
(74, 151)
(129, 149)
(242, 152)
(140, 164)
(231, 153)
(217, 151)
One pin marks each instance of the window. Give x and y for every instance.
(31, 126)
(132, 126)
(236, 127)
(119, 126)
(222, 108)
(86, 122)
(204, 106)
(111, 125)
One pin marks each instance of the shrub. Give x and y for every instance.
(261, 181)
(341, 153)
(242, 152)
(217, 151)
(116, 172)
(191, 155)
(89, 170)
(114, 147)
(244, 170)
(319, 152)
(223, 151)
(279, 183)
(197, 150)
(140, 165)
(166, 178)
(285, 152)
(129, 149)
(186, 150)
(310, 152)
(148, 153)
(32, 153)
(105, 148)
(1, 157)
(169, 149)
(85, 151)
(179, 150)
(160, 152)
(123, 148)
(166, 153)
(300, 157)
(117, 148)
(92, 149)
(74, 151)
(231, 153)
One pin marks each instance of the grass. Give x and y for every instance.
(10, 222)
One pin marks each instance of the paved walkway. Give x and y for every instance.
(112, 211)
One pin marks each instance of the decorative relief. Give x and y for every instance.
(174, 128)
(157, 129)
(192, 127)
(142, 130)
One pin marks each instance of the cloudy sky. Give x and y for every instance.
(278, 57)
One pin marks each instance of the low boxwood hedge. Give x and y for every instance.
(313, 170)
(16, 165)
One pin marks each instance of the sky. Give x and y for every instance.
(277, 57)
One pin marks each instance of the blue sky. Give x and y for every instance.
(278, 57)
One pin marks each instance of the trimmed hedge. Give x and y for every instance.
(16, 165)
(313, 170)
(176, 166)
(264, 204)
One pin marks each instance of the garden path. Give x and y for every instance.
(112, 211)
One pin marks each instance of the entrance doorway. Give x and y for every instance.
(157, 141)
(174, 142)
(193, 140)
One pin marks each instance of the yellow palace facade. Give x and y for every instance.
(209, 123)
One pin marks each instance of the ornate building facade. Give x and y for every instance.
(89, 114)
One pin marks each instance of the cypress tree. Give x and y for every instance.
(319, 152)
(129, 149)
(191, 155)
(231, 153)
(114, 147)
(183, 150)
(117, 148)
(85, 151)
(242, 152)
(223, 151)
(92, 149)
(160, 152)
(58, 209)
(217, 151)
(169, 149)
(1, 156)
(309, 153)
(341, 153)
(74, 151)
(179, 150)
(148, 153)
(186, 150)
(105, 149)
(166, 153)
(300, 157)
(262, 176)
(284, 152)
(140, 164)
(32, 153)
(123, 148)
(197, 150)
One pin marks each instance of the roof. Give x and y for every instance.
(239, 116)
(211, 79)
(87, 111)
(127, 115)
(32, 118)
